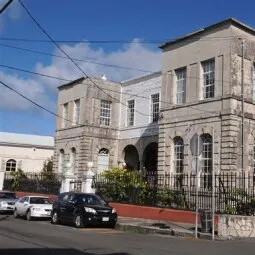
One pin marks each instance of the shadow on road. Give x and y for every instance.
(50, 251)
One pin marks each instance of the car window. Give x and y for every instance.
(62, 197)
(40, 200)
(91, 199)
(22, 200)
(7, 195)
(26, 199)
(71, 197)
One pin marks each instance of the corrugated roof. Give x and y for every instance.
(26, 139)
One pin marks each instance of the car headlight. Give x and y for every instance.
(90, 210)
(36, 209)
(113, 210)
(3, 204)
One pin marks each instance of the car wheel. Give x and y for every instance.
(54, 218)
(112, 225)
(78, 221)
(15, 213)
(28, 215)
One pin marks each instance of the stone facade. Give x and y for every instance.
(234, 226)
(84, 141)
(217, 117)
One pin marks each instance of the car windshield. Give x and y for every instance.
(7, 195)
(91, 200)
(40, 200)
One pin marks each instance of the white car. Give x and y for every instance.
(33, 207)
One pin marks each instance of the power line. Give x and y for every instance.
(5, 6)
(38, 105)
(139, 41)
(80, 60)
(123, 93)
(45, 32)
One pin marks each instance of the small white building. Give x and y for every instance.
(23, 151)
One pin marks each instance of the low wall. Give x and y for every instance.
(236, 226)
(145, 212)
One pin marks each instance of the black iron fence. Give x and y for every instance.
(45, 183)
(233, 192)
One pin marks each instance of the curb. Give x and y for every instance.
(166, 232)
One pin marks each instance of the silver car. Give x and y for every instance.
(7, 201)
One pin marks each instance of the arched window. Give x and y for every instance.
(103, 160)
(178, 155)
(11, 165)
(206, 178)
(61, 160)
(73, 159)
(207, 154)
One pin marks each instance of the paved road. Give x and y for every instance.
(40, 237)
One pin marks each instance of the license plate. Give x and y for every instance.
(105, 219)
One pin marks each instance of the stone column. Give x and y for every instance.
(87, 181)
(2, 179)
(66, 181)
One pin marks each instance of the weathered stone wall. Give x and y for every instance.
(236, 226)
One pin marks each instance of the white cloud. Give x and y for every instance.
(134, 55)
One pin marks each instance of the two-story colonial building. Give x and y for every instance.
(204, 74)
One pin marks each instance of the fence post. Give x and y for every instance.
(2, 179)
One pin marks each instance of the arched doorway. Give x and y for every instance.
(131, 157)
(150, 157)
(103, 160)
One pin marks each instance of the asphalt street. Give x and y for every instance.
(18, 236)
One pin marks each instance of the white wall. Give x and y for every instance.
(30, 158)
(145, 86)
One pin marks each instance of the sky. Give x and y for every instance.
(130, 22)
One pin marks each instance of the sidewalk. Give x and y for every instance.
(177, 229)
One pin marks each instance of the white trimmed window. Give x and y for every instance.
(253, 83)
(155, 107)
(65, 115)
(131, 113)
(11, 165)
(178, 155)
(208, 78)
(207, 154)
(180, 85)
(105, 113)
(76, 114)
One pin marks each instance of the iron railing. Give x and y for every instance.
(45, 183)
(234, 192)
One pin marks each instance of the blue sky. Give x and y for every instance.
(83, 20)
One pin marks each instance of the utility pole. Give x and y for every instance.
(5, 6)
(242, 93)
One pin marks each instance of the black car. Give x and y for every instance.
(82, 209)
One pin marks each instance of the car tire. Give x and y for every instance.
(78, 221)
(54, 218)
(15, 213)
(28, 215)
(112, 225)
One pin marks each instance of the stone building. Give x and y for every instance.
(107, 123)
(202, 94)
(138, 139)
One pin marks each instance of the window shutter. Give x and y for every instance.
(3, 165)
(19, 164)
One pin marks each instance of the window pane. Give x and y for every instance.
(208, 78)
(76, 118)
(105, 113)
(180, 85)
(178, 155)
(155, 107)
(130, 113)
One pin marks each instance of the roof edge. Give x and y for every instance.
(202, 30)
